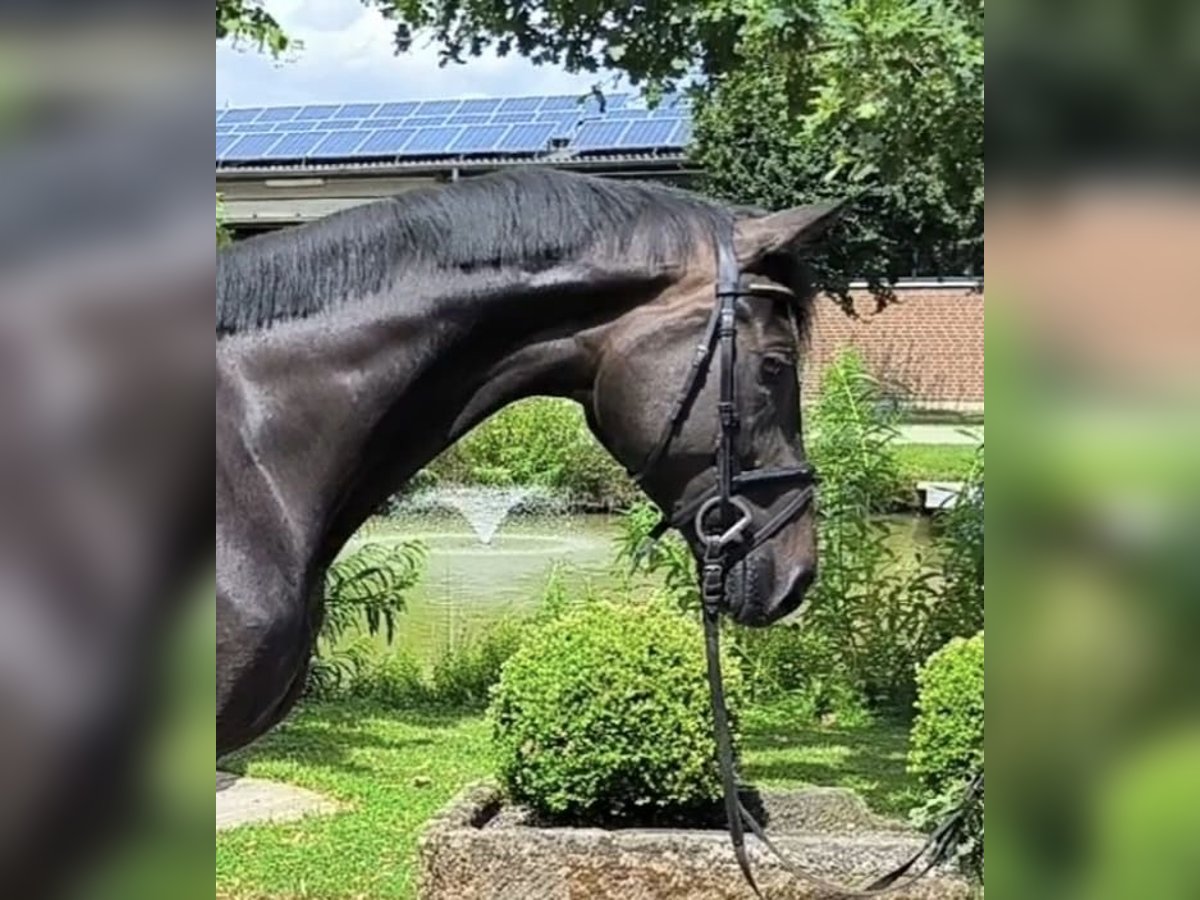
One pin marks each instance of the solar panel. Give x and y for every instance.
(480, 105)
(611, 102)
(397, 110)
(624, 115)
(220, 112)
(471, 119)
(386, 142)
(252, 146)
(425, 121)
(432, 140)
(560, 104)
(669, 110)
(233, 116)
(517, 118)
(279, 113)
(682, 135)
(564, 124)
(599, 135)
(356, 111)
(225, 129)
(647, 133)
(295, 145)
(299, 126)
(479, 139)
(320, 111)
(340, 143)
(520, 104)
(347, 124)
(438, 107)
(224, 142)
(252, 127)
(384, 123)
(526, 138)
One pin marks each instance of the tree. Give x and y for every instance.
(247, 20)
(795, 101)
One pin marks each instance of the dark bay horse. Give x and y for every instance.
(353, 350)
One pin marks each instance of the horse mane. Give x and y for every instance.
(532, 218)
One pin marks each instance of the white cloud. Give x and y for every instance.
(347, 54)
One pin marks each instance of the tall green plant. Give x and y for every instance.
(961, 612)
(364, 589)
(669, 557)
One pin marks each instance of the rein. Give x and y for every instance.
(726, 526)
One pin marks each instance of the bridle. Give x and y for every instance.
(725, 525)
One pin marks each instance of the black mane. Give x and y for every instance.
(531, 218)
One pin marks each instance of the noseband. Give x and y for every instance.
(726, 527)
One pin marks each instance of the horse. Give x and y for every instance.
(352, 350)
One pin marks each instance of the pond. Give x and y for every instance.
(468, 585)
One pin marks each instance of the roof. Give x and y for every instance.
(558, 129)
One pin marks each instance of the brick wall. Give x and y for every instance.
(927, 347)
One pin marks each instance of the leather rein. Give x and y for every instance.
(726, 526)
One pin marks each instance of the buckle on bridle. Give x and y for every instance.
(733, 532)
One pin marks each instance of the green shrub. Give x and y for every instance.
(605, 713)
(465, 674)
(541, 441)
(394, 679)
(946, 747)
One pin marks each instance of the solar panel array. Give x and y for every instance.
(416, 129)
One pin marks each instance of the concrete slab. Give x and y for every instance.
(246, 801)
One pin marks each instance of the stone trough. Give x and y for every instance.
(480, 849)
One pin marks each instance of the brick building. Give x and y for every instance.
(926, 348)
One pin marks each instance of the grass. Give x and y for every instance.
(394, 769)
(934, 462)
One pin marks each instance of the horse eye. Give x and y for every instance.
(773, 367)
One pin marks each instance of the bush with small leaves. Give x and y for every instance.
(947, 739)
(604, 713)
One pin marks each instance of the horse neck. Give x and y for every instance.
(339, 410)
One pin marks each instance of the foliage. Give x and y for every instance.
(669, 556)
(867, 609)
(239, 20)
(366, 587)
(796, 102)
(463, 677)
(961, 611)
(538, 441)
(871, 616)
(947, 737)
(393, 679)
(606, 714)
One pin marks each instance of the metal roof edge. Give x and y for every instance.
(446, 164)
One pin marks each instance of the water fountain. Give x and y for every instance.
(483, 507)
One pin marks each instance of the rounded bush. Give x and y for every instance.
(605, 713)
(947, 736)
(947, 741)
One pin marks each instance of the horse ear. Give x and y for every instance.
(757, 237)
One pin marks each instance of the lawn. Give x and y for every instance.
(934, 462)
(394, 769)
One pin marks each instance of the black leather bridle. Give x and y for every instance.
(726, 528)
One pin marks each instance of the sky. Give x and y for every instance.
(347, 55)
